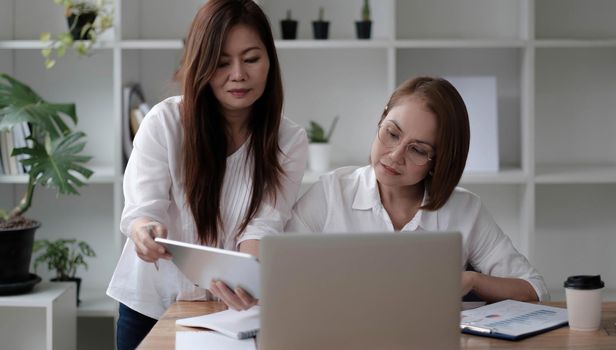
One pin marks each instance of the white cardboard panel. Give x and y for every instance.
(479, 94)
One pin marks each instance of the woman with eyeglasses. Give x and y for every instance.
(417, 159)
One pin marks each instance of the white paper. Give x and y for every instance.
(211, 340)
(236, 324)
(479, 95)
(514, 317)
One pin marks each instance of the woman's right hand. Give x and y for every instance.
(143, 233)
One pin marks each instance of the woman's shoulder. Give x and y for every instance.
(165, 112)
(462, 198)
(290, 129)
(291, 136)
(344, 176)
(168, 108)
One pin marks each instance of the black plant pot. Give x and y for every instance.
(82, 20)
(320, 29)
(15, 255)
(288, 29)
(73, 279)
(363, 29)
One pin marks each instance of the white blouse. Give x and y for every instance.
(348, 200)
(153, 188)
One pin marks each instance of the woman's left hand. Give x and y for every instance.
(237, 300)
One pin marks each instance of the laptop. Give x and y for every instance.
(361, 291)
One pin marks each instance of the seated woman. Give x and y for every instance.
(416, 162)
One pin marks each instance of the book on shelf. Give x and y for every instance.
(4, 156)
(134, 109)
(9, 140)
(21, 132)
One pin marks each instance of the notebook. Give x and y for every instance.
(361, 291)
(234, 324)
(211, 340)
(512, 320)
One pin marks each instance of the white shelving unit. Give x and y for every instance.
(555, 63)
(42, 319)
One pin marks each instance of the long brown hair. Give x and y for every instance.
(452, 135)
(204, 146)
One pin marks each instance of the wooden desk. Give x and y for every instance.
(162, 335)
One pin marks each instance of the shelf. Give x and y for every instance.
(95, 303)
(102, 175)
(37, 44)
(460, 43)
(505, 176)
(572, 174)
(333, 44)
(152, 44)
(345, 44)
(42, 295)
(574, 43)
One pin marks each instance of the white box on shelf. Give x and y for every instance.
(479, 94)
(45, 318)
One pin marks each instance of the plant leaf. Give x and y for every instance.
(45, 36)
(316, 133)
(19, 103)
(57, 168)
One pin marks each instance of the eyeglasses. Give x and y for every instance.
(390, 136)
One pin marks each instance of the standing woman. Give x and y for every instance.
(218, 165)
(417, 159)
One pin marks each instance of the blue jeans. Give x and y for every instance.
(131, 328)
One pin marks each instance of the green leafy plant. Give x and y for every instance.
(63, 256)
(52, 155)
(321, 14)
(365, 11)
(316, 133)
(96, 16)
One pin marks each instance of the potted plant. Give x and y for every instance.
(364, 27)
(319, 147)
(288, 27)
(86, 19)
(51, 158)
(63, 256)
(320, 27)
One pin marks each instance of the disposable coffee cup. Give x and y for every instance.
(583, 295)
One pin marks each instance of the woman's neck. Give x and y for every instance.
(237, 131)
(401, 203)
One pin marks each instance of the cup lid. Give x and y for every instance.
(584, 282)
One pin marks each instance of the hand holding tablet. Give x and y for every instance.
(201, 265)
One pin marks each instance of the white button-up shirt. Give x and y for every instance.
(153, 188)
(348, 200)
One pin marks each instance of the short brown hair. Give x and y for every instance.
(452, 135)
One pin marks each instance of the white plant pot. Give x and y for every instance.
(318, 156)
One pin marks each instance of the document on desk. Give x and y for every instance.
(513, 320)
(211, 340)
(235, 324)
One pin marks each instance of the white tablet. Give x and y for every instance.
(203, 264)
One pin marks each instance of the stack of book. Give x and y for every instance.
(134, 109)
(9, 140)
